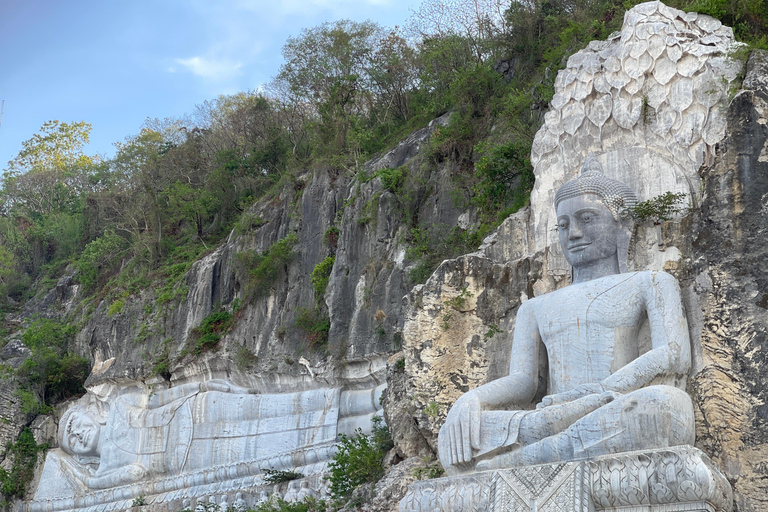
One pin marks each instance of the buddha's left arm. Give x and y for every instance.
(669, 359)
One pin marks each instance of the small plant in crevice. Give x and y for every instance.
(278, 476)
(431, 469)
(315, 324)
(320, 276)
(432, 409)
(492, 331)
(245, 359)
(139, 501)
(206, 336)
(459, 302)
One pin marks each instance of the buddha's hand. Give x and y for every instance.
(462, 429)
(224, 387)
(582, 390)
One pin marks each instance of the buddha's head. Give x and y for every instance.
(80, 430)
(592, 220)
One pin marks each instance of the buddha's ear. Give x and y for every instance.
(623, 243)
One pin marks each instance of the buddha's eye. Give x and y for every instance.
(587, 217)
(562, 225)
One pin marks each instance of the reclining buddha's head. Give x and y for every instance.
(80, 430)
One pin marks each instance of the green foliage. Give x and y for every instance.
(320, 276)
(245, 359)
(432, 409)
(278, 476)
(505, 174)
(430, 246)
(98, 256)
(116, 307)
(749, 18)
(393, 180)
(24, 455)
(206, 336)
(460, 301)
(262, 270)
(400, 365)
(432, 469)
(359, 459)
(331, 238)
(492, 331)
(660, 208)
(315, 324)
(139, 501)
(52, 373)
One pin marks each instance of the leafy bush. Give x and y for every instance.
(278, 476)
(505, 174)
(207, 335)
(660, 208)
(320, 276)
(315, 325)
(24, 454)
(359, 459)
(52, 372)
(245, 358)
(266, 267)
(393, 179)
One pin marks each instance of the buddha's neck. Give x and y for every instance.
(596, 270)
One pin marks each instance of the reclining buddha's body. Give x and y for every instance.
(606, 392)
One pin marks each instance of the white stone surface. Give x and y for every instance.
(195, 440)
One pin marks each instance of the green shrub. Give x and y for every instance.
(262, 270)
(315, 325)
(393, 179)
(276, 476)
(505, 174)
(52, 372)
(24, 455)
(320, 276)
(660, 208)
(245, 359)
(331, 237)
(207, 335)
(359, 459)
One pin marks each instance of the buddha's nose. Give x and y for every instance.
(574, 231)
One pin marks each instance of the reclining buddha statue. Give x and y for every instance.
(612, 347)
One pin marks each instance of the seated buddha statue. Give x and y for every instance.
(607, 390)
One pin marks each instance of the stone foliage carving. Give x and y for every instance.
(680, 479)
(196, 440)
(649, 99)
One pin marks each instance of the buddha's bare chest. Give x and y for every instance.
(590, 330)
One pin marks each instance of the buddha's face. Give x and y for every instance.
(81, 435)
(587, 230)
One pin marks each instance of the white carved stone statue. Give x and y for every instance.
(613, 349)
(194, 435)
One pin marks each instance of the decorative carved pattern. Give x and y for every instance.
(679, 474)
(682, 478)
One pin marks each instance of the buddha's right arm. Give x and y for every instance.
(462, 426)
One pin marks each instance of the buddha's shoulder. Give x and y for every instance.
(621, 283)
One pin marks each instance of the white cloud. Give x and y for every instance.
(211, 69)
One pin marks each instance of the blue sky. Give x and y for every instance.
(114, 63)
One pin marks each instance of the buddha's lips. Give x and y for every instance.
(578, 247)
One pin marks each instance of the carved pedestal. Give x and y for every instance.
(675, 479)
